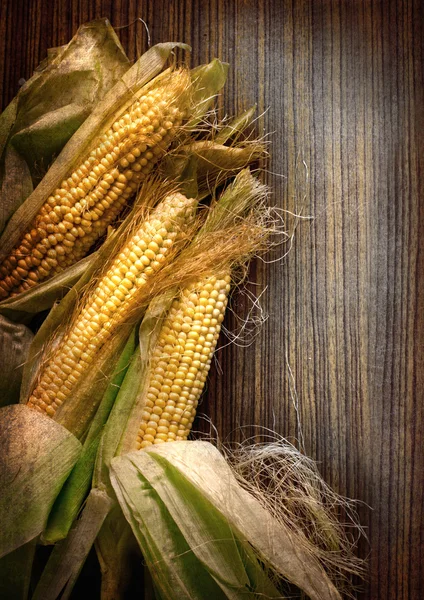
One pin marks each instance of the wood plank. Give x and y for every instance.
(338, 365)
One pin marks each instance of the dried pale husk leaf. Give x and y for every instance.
(200, 465)
(236, 126)
(207, 80)
(119, 557)
(38, 455)
(7, 118)
(51, 106)
(116, 100)
(177, 572)
(24, 306)
(15, 340)
(165, 506)
(73, 493)
(16, 184)
(216, 162)
(68, 556)
(209, 162)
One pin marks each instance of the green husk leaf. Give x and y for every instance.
(15, 572)
(76, 487)
(200, 465)
(77, 413)
(15, 341)
(259, 582)
(110, 437)
(115, 101)
(51, 106)
(69, 555)
(175, 568)
(23, 307)
(38, 455)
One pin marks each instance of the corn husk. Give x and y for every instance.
(68, 556)
(23, 307)
(51, 106)
(123, 421)
(197, 166)
(210, 161)
(77, 486)
(207, 81)
(15, 572)
(185, 495)
(119, 97)
(120, 557)
(15, 340)
(40, 455)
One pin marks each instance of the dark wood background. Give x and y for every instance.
(339, 85)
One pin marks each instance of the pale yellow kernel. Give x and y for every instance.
(150, 431)
(147, 438)
(166, 415)
(150, 254)
(144, 260)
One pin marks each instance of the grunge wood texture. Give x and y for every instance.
(338, 364)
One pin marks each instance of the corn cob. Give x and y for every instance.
(112, 301)
(79, 211)
(181, 361)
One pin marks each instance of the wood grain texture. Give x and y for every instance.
(340, 86)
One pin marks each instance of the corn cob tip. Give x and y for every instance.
(79, 211)
(111, 301)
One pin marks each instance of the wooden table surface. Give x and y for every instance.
(338, 364)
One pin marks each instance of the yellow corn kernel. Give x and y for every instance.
(110, 303)
(95, 193)
(172, 408)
